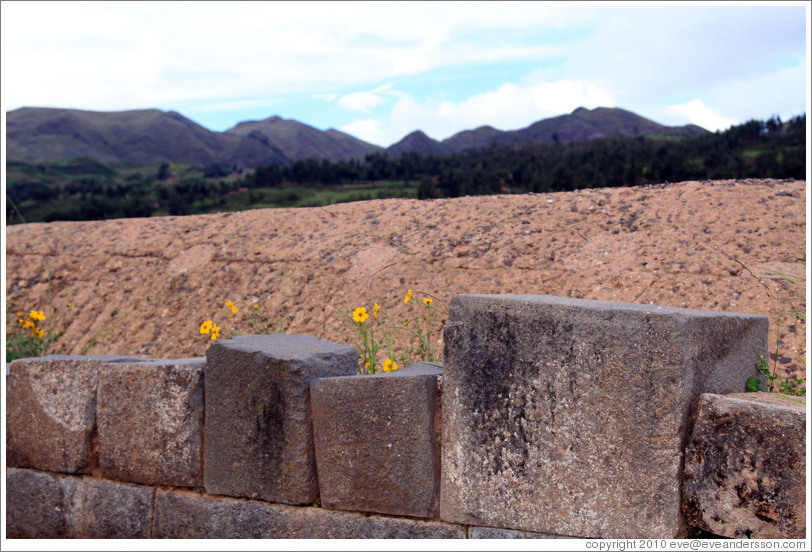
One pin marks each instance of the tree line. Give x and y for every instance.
(755, 149)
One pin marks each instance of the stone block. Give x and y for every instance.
(185, 515)
(494, 533)
(43, 505)
(317, 523)
(51, 412)
(101, 509)
(568, 417)
(34, 505)
(377, 441)
(745, 467)
(258, 435)
(150, 420)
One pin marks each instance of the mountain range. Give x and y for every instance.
(44, 135)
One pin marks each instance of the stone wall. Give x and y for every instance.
(551, 418)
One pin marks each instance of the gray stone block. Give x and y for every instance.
(183, 514)
(101, 509)
(565, 416)
(51, 412)
(377, 441)
(150, 420)
(34, 505)
(43, 505)
(494, 533)
(745, 467)
(258, 435)
(316, 523)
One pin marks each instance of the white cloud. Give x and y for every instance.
(669, 54)
(230, 105)
(698, 113)
(779, 92)
(369, 130)
(366, 100)
(508, 107)
(122, 54)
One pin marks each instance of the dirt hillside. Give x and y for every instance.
(144, 286)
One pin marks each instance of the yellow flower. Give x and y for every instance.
(366, 365)
(389, 365)
(70, 305)
(359, 315)
(408, 296)
(215, 332)
(27, 324)
(205, 327)
(256, 307)
(232, 307)
(375, 310)
(36, 315)
(427, 300)
(39, 333)
(19, 314)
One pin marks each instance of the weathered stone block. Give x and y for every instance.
(34, 505)
(150, 418)
(745, 467)
(568, 417)
(258, 435)
(101, 509)
(494, 533)
(377, 441)
(43, 505)
(183, 514)
(51, 412)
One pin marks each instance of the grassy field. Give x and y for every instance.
(86, 190)
(301, 196)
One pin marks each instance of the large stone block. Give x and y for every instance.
(377, 441)
(745, 467)
(34, 505)
(51, 412)
(150, 419)
(101, 509)
(43, 505)
(258, 434)
(568, 417)
(185, 515)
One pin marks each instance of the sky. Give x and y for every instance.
(380, 70)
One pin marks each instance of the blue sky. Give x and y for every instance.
(379, 70)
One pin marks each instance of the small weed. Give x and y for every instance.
(259, 324)
(790, 386)
(30, 340)
(794, 386)
(256, 322)
(384, 342)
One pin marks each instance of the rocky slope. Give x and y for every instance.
(144, 286)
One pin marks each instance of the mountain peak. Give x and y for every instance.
(416, 142)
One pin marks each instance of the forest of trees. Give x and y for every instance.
(756, 149)
(88, 190)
